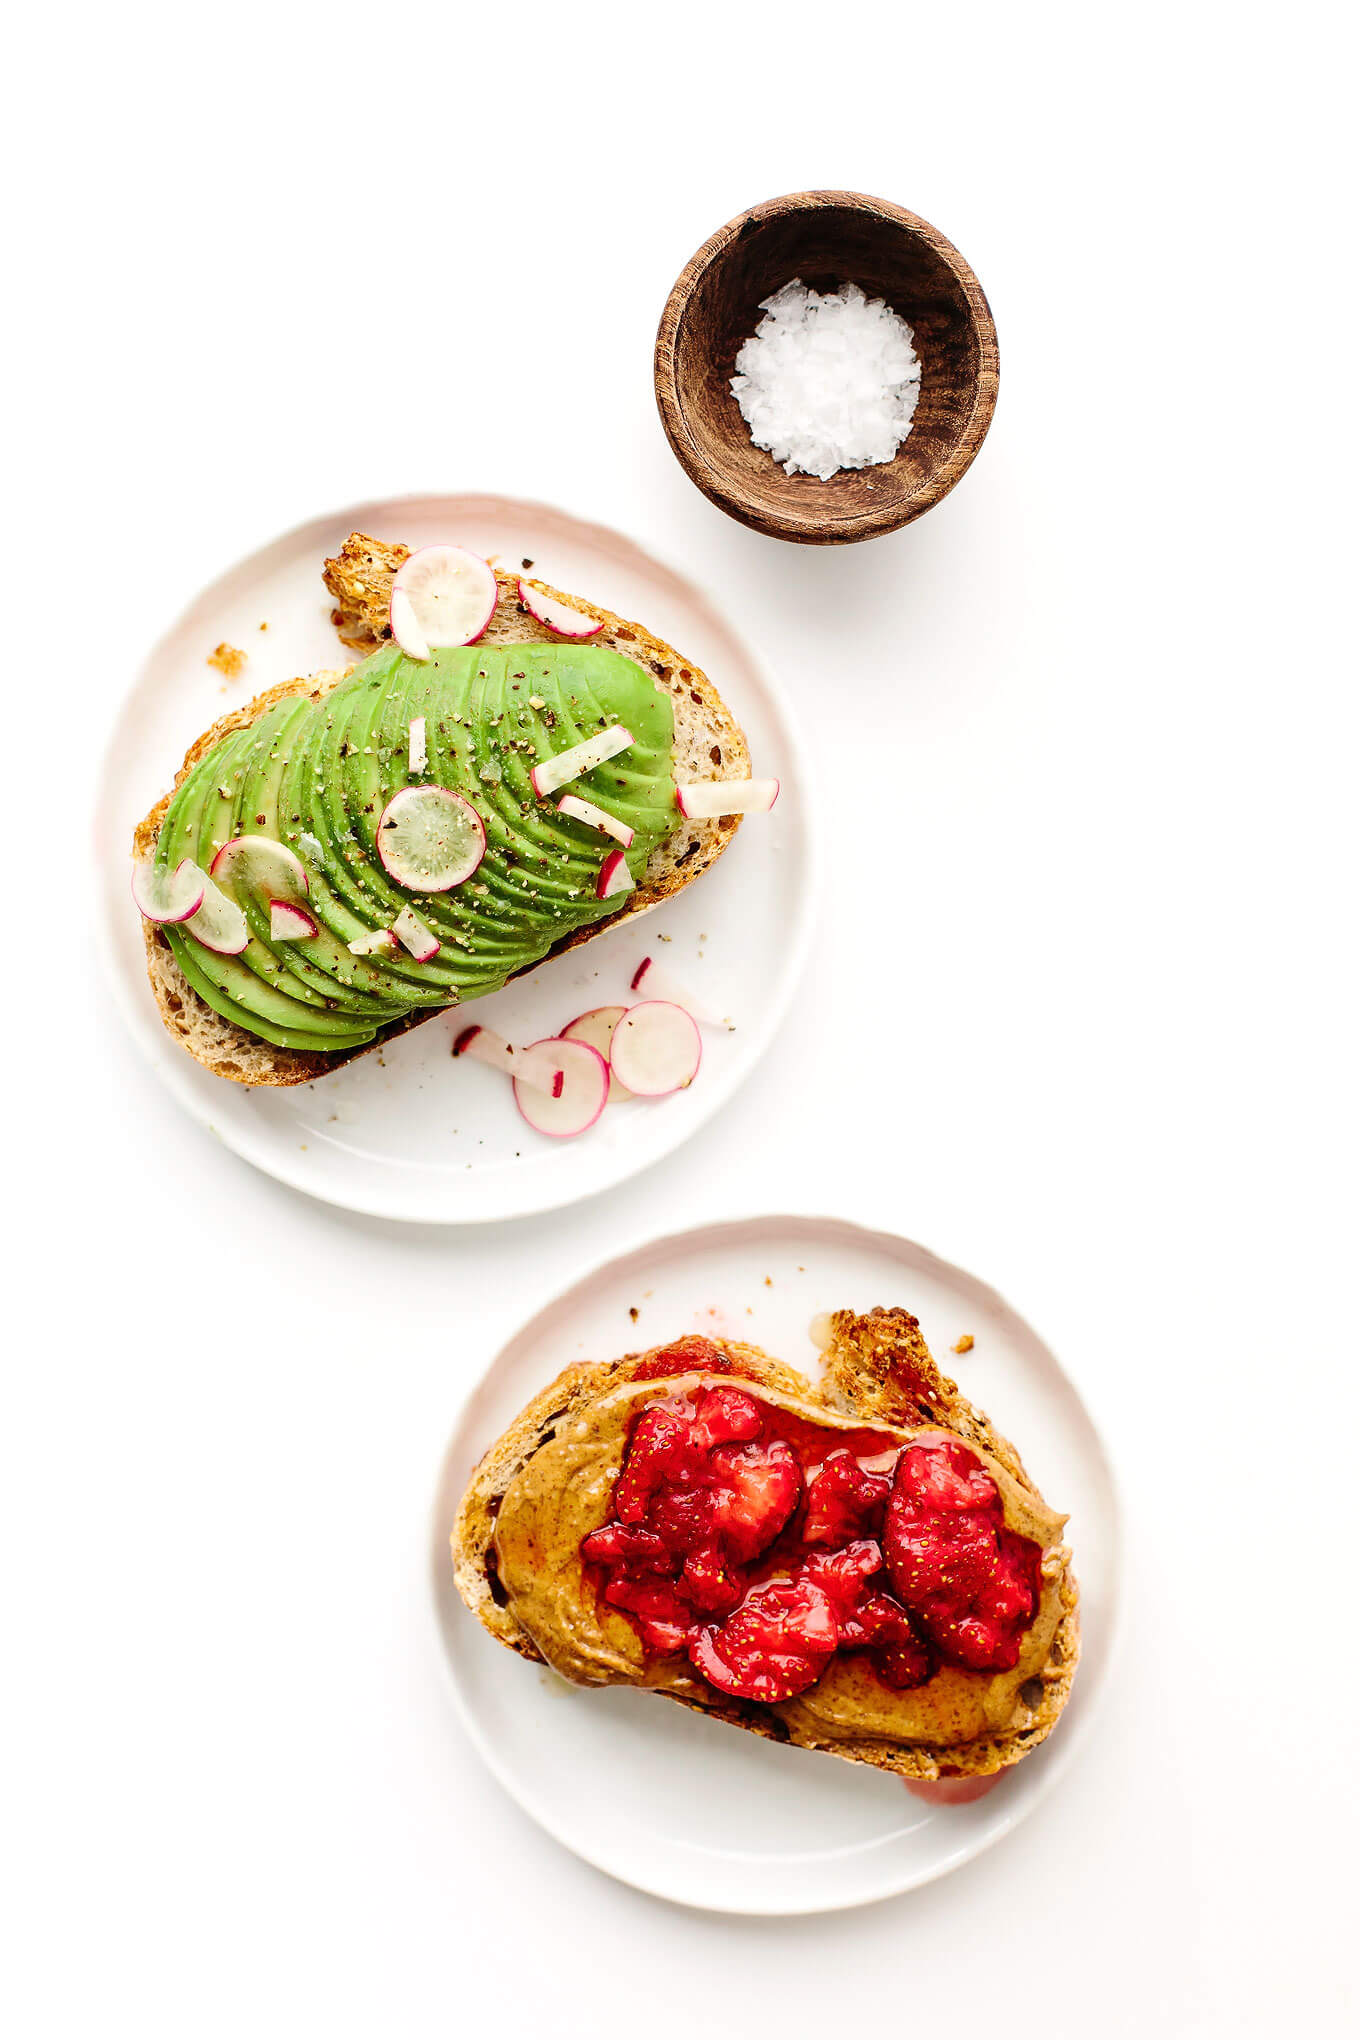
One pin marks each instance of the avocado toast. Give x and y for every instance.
(310, 765)
(861, 1566)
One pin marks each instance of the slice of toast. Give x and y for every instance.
(877, 1369)
(708, 745)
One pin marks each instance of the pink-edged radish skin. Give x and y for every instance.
(219, 923)
(540, 1071)
(656, 1048)
(615, 877)
(415, 936)
(652, 980)
(560, 617)
(708, 798)
(289, 923)
(597, 1028)
(581, 1099)
(429, 839)
(441, 595)
(595, 818)
(166, 894)
(551, 773)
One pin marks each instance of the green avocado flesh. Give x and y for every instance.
(316, 776)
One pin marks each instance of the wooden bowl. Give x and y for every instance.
(827, 238)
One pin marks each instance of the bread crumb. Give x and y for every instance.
(227, 659)
(264, 626)
(964, 1343)
(633, 1312)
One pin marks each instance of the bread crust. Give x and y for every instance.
(709, 744)
(877, 1369)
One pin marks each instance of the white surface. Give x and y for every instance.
(1107, 920)
(409, 1134)
(686, 1808)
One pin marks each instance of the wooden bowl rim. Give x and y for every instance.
(858, 524)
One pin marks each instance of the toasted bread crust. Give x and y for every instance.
(877, 1368)
(709, 744)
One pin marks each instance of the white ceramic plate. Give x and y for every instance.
(682, 1806)
(406, 1133)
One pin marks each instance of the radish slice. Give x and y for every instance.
(430, 839)
(726, 797)
(554, 772)
(596, 1028)
(525, 1065)
(413, 934)
(656, 1048)
(581, 1099)
(559, 616)
(165, 895)
(268, 869)
(416, 753)
(219, 923)
(371, 945)
(654, 981)
(595, 818)
(615, 877)
(441, 595)
(288, 923)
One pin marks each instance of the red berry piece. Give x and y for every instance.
(969, 1582)
(843, 1501)
(663, 1619)
(778, 1643)
(627, 1544)
(757, 1489)
(690, 1355)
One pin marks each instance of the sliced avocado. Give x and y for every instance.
(317, 775)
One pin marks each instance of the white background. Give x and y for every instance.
(1080, 1013)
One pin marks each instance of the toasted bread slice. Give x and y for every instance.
(877, 1369)
(708, 745)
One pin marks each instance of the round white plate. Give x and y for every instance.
(405, 1133)
(685, 1807)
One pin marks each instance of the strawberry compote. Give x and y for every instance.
(762, 1544)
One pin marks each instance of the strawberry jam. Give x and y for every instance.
(762, 1544)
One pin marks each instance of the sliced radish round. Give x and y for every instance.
(541, 1072)
(372, 944)
(219, 923)
(710, 797)
(416, 753)
(267, 868)
(413, 934)
(595, 818)
(441, 595)
(559, 616)
(615, 877)
(166, 893)
(656, 1048)
(581, 1100)
(430, 839)
(596, 1028)
(288, 923)
(653, 981)
(551, 773)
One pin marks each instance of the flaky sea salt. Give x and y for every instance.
(828, 382)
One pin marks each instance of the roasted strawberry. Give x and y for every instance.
(724, 1416)
(662, 1617)
(882, 1626)
(710, 1582)
(778, 1643)
(690, 1355)
(969, 1582)
(757, 1488)
(660, 1449)
(629, 1545)
(843, 1501)
(685, 1519)
(841, 1575)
